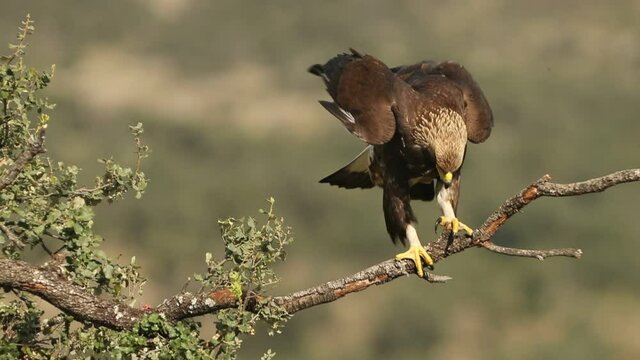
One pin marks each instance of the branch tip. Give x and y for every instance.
(437, 279)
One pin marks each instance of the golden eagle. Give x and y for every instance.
(417, 120)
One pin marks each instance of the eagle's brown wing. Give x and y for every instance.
(406, 72)
(362, 88)
(478, 115)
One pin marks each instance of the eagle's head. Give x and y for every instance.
(445, 137)
(449, 155)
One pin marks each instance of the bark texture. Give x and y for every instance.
(47, 284)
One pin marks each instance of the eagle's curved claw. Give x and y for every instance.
(417, 254)
(455, 224)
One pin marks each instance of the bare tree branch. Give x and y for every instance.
(538, 254)
(66, 296)
(83, 306)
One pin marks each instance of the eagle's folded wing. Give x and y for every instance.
(478, 117)
(362, 88)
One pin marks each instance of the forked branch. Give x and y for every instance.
(71, 299)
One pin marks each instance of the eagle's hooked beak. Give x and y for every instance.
(446, 178)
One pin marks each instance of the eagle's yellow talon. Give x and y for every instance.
(417, 254)
(455, 225)
(466, 229)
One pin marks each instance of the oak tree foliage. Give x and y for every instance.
(47, 214)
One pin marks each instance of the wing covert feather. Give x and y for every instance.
(478, 117)
(362, 88)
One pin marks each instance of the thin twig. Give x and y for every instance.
(538, 254)
(24, 31)
(12, 236)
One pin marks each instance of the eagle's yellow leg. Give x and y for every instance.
(455, 224)
(416, 252)
(447, 198)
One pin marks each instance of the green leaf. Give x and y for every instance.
(107, 270)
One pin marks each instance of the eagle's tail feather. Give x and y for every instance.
(355, 174)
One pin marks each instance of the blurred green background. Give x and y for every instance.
(232, 118)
